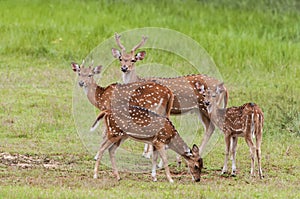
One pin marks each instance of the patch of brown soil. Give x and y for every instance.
(27, 161)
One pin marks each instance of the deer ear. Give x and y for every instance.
(97, 69)
(220, 88)
(195, 149)
(115, 53)
(140, 55)
(75, 67)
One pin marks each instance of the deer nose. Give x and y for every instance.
(197, 180)
(81, 83)
(124, 68)
(206, 103)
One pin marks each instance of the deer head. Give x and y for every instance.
(85, 74)
(195, 162)
(213, 97)
(127, 60)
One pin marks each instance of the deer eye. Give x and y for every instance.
(90, 75)
(133, 60)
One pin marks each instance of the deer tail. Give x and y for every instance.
(97, 121)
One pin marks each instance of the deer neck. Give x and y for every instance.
(179, 146)
(94, 92)
(130, 77)
(218, 117)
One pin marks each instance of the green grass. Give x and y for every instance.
(255, 45)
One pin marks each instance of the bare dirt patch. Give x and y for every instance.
(27, 161)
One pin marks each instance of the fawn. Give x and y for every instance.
(242, 121)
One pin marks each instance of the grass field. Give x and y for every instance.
(255, 45)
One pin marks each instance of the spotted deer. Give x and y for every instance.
(138, 111)
(161, 97)
(154, 129)
(150, 95)
(188, 90)
(242, 121)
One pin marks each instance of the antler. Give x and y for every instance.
(144, 39)
(82, 64)
(117, 37)
(92, 64)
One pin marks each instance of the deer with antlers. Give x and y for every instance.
(161, 103)
(138, 111)
(242, 121)
(188, 90)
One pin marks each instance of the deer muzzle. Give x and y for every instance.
(207, 103)
(81, 83)
(124, 68)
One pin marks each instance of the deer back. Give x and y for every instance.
(139, 123)
(149, 95)
(238, 120)
(188, 91)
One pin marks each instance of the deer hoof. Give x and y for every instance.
(179, 164)
(95, 176)
(146, 155)
(233, 173)
(160, 164)
(261, 177)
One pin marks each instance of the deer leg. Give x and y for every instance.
(208, 131)
(252, 153)
(154, 163)
(169, 105)
(227, 150)
(103, 136)
(112, 155)
(148, 148)
(145, 150)
(258, 153)
(233, 147)
(106, 143)
(160, 164)
(178, 160)
(163, 155)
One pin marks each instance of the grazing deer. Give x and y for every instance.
(138, 111)
(152, 129)
(242, 121)
(187, 90)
